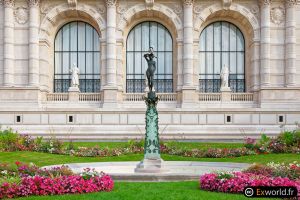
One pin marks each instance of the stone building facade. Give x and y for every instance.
(259, 40)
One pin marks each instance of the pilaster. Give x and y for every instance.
(34, 42)
(188, 89)
(265, 42)
(290, 44)
(9, 58)
(110, 90)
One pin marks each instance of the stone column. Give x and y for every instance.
(110, 90)
(265, 42)
(188, 89)
(33, 39)
(255, 66)
(1, 41)
(290, 43)
(9, 58)
(188, 43)
(111, 43)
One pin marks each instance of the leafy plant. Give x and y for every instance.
(8, 140)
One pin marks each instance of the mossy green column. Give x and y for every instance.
(152, 163)
(152, 147)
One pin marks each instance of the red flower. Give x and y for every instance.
(18, 163)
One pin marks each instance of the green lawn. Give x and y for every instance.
(42, 159)
(149, 191)
(145, 191)
(186, 145)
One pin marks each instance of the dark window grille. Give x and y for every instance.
(77, 42)
(221, 43)
(141, 37)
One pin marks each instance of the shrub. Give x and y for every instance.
(8, 140)
(249, 143)
(276, 146)
(288, 138)
(259, 169)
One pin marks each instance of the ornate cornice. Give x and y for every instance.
(188, 2)
(291, 3)
(33, 3)
(264, 2)
(9, 3)
(111, 3)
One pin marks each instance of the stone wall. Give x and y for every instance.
(272, 38)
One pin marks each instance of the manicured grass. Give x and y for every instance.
(43, 159)
(149, 191)
(186, 145)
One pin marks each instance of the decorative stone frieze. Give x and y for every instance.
(149, 4)
(21, 15)
(277, 15)
(9, 3)
(101, 9)
(254, 9)
(33, 3)
(290, 3)
(177, 9)
(111, 3)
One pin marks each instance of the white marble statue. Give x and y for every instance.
(75, 76)
(224, 77)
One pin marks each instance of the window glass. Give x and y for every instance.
(77, 43)
(140, 38)
(221, 43)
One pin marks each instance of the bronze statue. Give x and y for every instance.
(151, 68)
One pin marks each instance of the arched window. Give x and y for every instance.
(140, 38)
(221, 43)
(77, 43)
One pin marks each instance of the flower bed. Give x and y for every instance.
(273, 174)
(29, 180)
(39, 185)
(287, 142)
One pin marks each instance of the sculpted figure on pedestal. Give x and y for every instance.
(75, 76)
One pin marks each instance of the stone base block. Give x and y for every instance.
(151, 166)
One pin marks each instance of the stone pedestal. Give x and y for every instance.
(73, 94)
(110, 97)
(188, 97)
(152, 162)
(225, 94)
(150, 166)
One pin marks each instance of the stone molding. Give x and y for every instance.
(149, 4)
(130, 12)
(111, 3)
(200, 17)
(21, 15)
(9, 3)
(226, 4)
(72, 3)
(32, 3)
(291, 3)
(277, 15)
(264, 2)
(188, 2)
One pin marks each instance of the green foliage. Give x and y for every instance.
(264, 140)
(8, 140)
(290, 138)
(224, 175)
